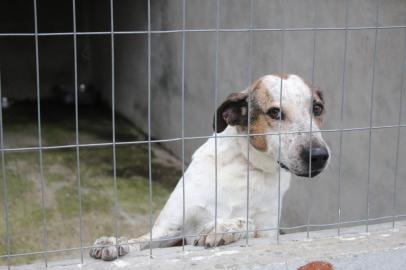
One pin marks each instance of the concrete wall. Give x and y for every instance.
(320, 195)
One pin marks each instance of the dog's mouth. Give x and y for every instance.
(312, 173)
(283, 166)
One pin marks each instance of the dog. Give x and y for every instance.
(279, 137)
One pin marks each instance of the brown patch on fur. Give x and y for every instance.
(319, 95)
(259, 126)
(261, 96)
(281, 75)
(261, 101)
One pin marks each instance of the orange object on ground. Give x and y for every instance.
(317, 266)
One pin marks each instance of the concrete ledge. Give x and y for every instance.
(382, 248)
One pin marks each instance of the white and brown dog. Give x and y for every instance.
(290, 151)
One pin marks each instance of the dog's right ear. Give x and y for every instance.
(233, 111)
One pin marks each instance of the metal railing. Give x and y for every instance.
(251, 29)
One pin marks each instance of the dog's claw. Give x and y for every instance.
(108, 249)
(109, 253)
(228, 231)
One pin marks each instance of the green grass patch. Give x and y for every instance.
(61, 196)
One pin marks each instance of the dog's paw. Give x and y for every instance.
(108, 249)
(228, 231)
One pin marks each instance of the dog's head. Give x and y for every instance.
(300, 153)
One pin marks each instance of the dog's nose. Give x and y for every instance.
(319, 157)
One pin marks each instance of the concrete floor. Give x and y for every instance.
(381, 248)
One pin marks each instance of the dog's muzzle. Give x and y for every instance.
(314, 163)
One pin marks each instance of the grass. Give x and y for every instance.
(61, 198)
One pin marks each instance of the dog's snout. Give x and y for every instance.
(318, 158)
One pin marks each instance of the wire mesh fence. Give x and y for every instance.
(149, 141)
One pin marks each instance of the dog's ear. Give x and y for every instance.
(233, 111)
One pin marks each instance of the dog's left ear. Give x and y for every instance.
(233, 111)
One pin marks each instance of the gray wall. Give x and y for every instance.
(319, 195)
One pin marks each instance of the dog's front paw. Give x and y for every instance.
(108, 249)
(228, 231)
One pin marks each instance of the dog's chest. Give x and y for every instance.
(232, 191)
(223, 188)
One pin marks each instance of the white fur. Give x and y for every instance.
(296, 101)
(200, 199)
(230, 200)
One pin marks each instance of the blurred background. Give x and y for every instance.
(317, 55)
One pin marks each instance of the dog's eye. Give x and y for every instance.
(275, 113)
(317, 109)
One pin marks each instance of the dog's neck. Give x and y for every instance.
(257, 159)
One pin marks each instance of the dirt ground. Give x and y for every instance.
(23, 181)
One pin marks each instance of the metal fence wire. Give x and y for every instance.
(77, 146)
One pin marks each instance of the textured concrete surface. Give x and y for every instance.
(320, 196)
(382, 248)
